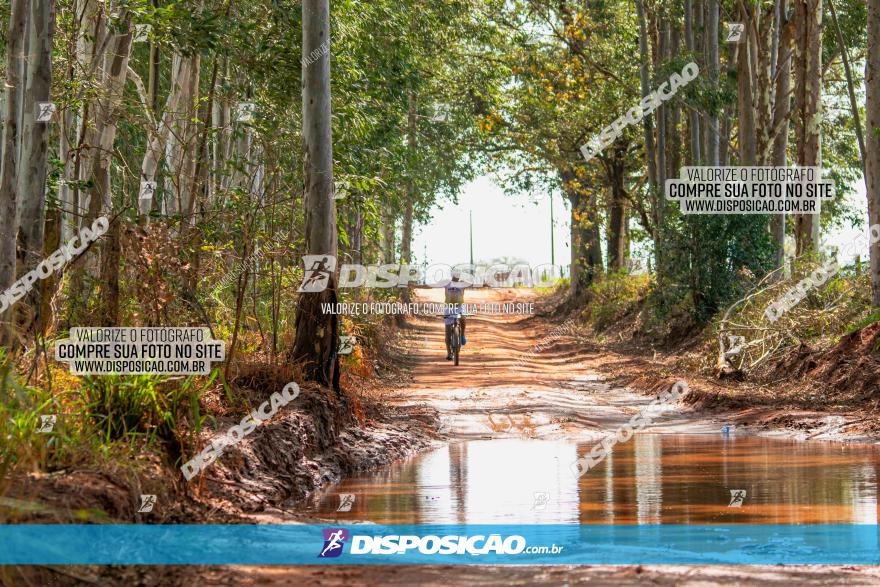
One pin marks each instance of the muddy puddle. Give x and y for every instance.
(670, 479)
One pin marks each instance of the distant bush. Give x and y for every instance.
(121, 406)
(614, 296)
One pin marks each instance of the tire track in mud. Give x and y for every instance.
(506, 386)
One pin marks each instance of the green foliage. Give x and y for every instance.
(705, 259)
(613, 297)
(864, 322)
(123, 407)
(838, 307)
(20, 408)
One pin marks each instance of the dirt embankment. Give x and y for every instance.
(310, 443)
(824, 393)
(519, 377)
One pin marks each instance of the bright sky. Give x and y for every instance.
(519, 227)
(504, 226)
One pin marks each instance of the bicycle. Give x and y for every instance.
(455, 334)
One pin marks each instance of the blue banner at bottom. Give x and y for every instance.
(437, 544)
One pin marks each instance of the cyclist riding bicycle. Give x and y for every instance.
(454, 295)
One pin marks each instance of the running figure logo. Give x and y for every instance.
(318, 271)
(346, 344)
(735, 31)
(737, 496)
(541, 500)
(147, 503)
(734, 345)
(346, 500)
(47, 423)
(44, 111)
(334, 539)
(148, 188)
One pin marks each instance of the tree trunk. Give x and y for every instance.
(65, 194)
(781, 114)
(713, 156)
(693, 115)
(316, 332)
(181, 138)
(617, 250)
(153, 79)
(808, 85)
(102, 262)
(648, 127)
(872, 144)
(728, 116)
(412, 152)
(34, 150)
(586, 249)
(844, 52)
(9, 168)
(662, 54)
(745, 96)
(389, 224)
(673, 112)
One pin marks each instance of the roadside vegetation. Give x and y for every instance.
(223, 141)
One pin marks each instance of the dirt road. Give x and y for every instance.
(509, 386)
(520, 377)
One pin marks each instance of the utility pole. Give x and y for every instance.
(552, 243)
(471, 214)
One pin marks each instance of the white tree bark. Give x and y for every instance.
(35, 135)
(781, 114)
(164, 138)
(808, 106)
(713, 153)
(9, 167)
(316, 333)
(872, 136)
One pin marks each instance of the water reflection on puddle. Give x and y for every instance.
(672, 479)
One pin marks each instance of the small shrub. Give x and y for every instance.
(613, 297)
(124, 406)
